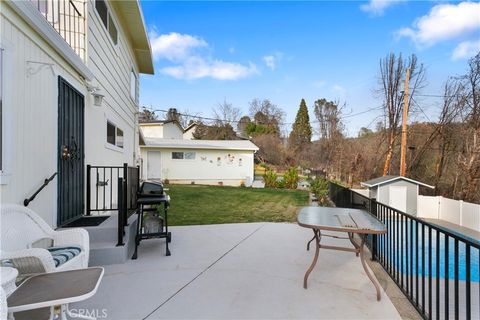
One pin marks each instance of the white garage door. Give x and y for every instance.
(398, 198)
(154, 165)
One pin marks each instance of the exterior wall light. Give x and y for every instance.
(97, 99)
(97, 96)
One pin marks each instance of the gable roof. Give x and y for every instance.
(160, 122)
(130, 14)
(389, 178)
(200, 144)
(190, 126)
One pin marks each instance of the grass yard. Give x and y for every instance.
(194, 204)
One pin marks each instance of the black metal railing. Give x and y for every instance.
(67, 17)
(113, 189)
(27, 201)
(436, 268)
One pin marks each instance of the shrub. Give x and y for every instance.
(319, 187)
(270, 179)
(291, 178)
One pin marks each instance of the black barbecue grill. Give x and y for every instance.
(151, 224)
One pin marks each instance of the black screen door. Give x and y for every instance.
(70, 153)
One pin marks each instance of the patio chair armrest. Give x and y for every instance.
(30, 261)
(75, 236)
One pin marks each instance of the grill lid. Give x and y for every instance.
(151, 189)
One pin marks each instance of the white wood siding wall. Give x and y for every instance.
(112, 65)
(30, 107)
(205, 168)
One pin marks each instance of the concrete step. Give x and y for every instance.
(103, 243)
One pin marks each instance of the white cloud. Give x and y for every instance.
(175, 46)
(192, 60)
(198, 67)
(378, 7)
(444, 22)
(271, 61)
(466, 49)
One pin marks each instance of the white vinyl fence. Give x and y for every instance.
(465, 214)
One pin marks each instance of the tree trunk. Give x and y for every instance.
(388, 159)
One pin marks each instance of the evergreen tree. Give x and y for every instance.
(301, 134)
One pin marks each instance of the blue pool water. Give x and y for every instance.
(404, 259)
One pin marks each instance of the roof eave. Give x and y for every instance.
(196, 147)
(132, 14)
(396, 178)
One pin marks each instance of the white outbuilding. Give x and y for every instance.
(396, 191)
(186, 161)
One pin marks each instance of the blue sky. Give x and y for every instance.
(208, 52)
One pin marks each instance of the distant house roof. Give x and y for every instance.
(386, 179)
(190, 126)
(162, 122)
(200, 144)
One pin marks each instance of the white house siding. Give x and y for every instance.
(111, 64)
(30, 111)
(169, 130)
(205, 168)
(172, 131)
(31, 107)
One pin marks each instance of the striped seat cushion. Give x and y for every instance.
(61, 255)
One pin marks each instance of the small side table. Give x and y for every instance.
(47, 290)
(8, 276)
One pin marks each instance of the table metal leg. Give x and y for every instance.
(355, 244)
(308, 244)
(365, 267)
(317, 236)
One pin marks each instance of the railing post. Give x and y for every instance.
(373, 211)
(125, 193)
(89, 191)
(121, 212)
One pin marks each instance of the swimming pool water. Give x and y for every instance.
(404, 259)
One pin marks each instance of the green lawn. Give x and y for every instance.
(192, 205)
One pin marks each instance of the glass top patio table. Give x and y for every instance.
(340, 219)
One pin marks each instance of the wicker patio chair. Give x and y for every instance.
(21, 228)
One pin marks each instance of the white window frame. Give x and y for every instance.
(184, 153)
(109, 15)
(109, 145)
(134, 86)
(6, 126)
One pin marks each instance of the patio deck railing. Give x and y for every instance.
(436, 268)
(68, 18)
(113, 189)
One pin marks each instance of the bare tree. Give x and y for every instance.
(452, 104)
(328, 114)
(268, 114)
(469, 157)
(392, 73)
(146, 115)
(226, 113)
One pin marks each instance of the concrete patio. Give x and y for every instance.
(238, 271)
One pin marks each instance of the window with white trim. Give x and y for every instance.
(107, 20)
(133, 86)
(114, 135)
(184, 155)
